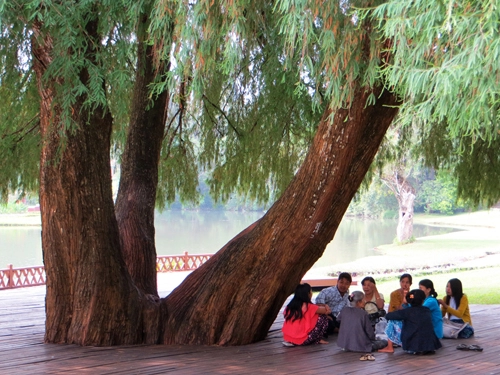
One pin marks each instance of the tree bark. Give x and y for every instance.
(135, 203)
(91, 299)
(234, 298)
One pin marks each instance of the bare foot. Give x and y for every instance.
(386, 350)
(323, 342)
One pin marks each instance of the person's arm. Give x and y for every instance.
(321, 298)
(379, 299)
(396, 315)
(443, 309)
(460, 312)
(394, 302)
(323, 309)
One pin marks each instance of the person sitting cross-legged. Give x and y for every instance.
(305, 322)
(417, 334)
(356, 333)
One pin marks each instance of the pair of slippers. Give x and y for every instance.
(367, 357)
(476, 348)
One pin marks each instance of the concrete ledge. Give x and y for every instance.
(323, 282)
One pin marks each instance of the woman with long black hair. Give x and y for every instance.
(305, 322)
(456, 305)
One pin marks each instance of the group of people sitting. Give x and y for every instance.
(414, 319)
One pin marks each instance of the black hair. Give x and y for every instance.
(345, 275)
(293, 310)
(456, 291)
(368, 278)
(406, 275)
(415, 297)
(429, 285)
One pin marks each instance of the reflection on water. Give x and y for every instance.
(200, 232)
(20, 246)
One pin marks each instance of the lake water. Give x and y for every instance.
(200, 232)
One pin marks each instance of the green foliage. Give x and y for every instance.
(12, 208)
(249, 80)
(375, 202)
(439, 195)
(444, 63)
(23, 25)
(178, 161)
(19, 124)
(405, 242)
(251, 122)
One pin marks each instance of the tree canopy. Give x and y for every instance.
(249, 78)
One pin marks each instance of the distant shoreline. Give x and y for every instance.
(476, 246)
(21, 220)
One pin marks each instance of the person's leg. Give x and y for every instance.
(466, 332)
(393, 332)
(378, 344)
(332, 324)
(318, 332)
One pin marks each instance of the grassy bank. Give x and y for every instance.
(478, 284)
(471, 254)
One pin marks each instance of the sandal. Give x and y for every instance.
(463, 347)
(477, 348)
(367, 357)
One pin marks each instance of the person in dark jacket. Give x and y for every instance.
(417, 333)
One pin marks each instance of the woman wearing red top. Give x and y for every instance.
(305, 322)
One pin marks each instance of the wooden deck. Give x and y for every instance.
(22, 351)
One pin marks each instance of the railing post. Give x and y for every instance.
(186, 257)
(10, 284)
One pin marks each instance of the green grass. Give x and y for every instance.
(477, 239)
(478, 284)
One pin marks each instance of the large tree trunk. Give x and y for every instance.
(235, 296)
(135, 204)
(91, 299)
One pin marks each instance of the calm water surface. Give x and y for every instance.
(200, 232)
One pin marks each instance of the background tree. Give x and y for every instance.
(405, 194)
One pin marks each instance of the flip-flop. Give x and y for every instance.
(367, 357)
(477, 348)
(463, 347)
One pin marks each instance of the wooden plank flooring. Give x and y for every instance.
(22, 351)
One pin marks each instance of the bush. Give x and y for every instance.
(13, 208)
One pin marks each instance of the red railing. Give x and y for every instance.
(185, 262)
(21, 277)
(31, 276)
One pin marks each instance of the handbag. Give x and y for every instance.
(375, 317)
(452, 329)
